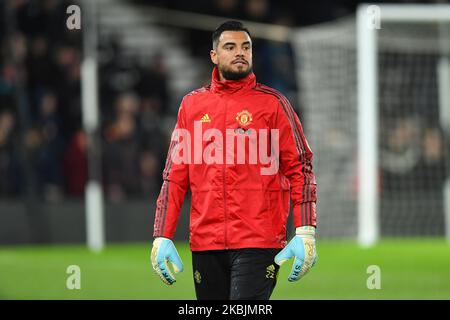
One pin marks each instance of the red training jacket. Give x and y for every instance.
(234, 205)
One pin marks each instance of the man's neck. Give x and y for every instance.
(221, 78)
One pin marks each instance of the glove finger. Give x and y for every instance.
(306, 267)
(283, 256)
(296, 271)
(160, 273)
(310, 257)
(162, 257)
(315, 260)
(176, 262)
(154, 258)
(305, 270)
(165, 273)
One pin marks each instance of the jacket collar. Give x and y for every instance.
(231, 86)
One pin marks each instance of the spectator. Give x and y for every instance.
(50, 151)
(69, 90)
(42, 73)
(75, 164)
(150, 171)
(257, 10)
(121, 151)
(153, 84)
(9, 165)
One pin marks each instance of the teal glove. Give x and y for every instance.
(303, 249)
(164, 251)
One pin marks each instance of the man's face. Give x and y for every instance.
(233, 55)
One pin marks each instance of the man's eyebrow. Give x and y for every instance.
(234, 43)
(227, 43)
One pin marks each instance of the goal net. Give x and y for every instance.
(410, 125)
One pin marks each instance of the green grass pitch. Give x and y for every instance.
(410, 269)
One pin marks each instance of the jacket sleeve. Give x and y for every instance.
(175, 184)
(296, 164)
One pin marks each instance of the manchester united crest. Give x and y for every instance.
(197, 276)
(244, 118)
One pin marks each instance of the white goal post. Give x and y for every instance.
(368, 96)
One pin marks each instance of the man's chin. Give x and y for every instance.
(237, 74)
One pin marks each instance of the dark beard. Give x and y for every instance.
(231, 75)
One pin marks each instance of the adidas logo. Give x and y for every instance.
(205, 118)
(270, 272)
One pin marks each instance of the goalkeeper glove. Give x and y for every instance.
(303, 248)
(164, 251)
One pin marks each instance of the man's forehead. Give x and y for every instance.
(234, 36)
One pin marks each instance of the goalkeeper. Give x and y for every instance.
(239, 210)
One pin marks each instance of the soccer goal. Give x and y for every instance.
(375, 95)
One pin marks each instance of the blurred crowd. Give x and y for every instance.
(42, 144)
(293, 13)
(39, 97)
(413, 145)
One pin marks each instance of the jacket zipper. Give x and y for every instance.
(224, 178)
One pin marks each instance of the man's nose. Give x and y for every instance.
(239, 52)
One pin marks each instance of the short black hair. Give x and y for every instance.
(230, 25)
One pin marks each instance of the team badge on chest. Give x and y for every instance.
(244, 118)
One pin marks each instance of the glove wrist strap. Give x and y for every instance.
(158, 240)
(306, 231)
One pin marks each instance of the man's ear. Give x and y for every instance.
(213, 55)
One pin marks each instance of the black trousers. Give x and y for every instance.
(238, 274)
